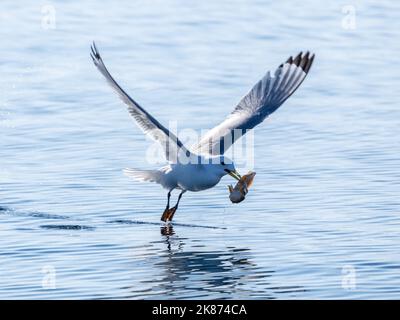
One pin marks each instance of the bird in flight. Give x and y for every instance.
(203, 166)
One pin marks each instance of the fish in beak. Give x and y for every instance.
(238, 193)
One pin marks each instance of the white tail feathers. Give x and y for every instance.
(144, 175)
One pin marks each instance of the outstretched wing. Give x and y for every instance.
(149, 125)
(263, 99)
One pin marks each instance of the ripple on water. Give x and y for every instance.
(325, 200)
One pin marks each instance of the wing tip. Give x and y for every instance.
(304, 61)
(95, 53)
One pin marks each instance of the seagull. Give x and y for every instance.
(203, 166)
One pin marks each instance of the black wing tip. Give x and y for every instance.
(95, 52)
(307, 67)
(304, 61)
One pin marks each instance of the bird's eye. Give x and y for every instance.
(223, 163)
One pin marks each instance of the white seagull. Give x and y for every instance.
(203, 167)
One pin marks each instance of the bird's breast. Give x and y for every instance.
(196, 179)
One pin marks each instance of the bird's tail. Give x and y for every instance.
(144, 175)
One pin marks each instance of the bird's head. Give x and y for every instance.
(225, 166)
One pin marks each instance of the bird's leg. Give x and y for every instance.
(172, 211)
(168, 198)
(179, 198)
(166, 211)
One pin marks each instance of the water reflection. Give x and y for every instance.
(191, 269)
(172, 266)
(167, 230)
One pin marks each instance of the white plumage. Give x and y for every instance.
(210, 164)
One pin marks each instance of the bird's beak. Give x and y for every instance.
(234, 174)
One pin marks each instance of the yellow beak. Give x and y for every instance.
(234, 174)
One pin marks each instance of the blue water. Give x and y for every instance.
(323, 217)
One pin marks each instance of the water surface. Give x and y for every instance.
(322, 219)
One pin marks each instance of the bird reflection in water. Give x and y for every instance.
(203, 271)
(203, 267)
(167, 230)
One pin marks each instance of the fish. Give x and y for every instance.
(238, 193)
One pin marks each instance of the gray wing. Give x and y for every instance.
(263, 99)
(149, 125)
